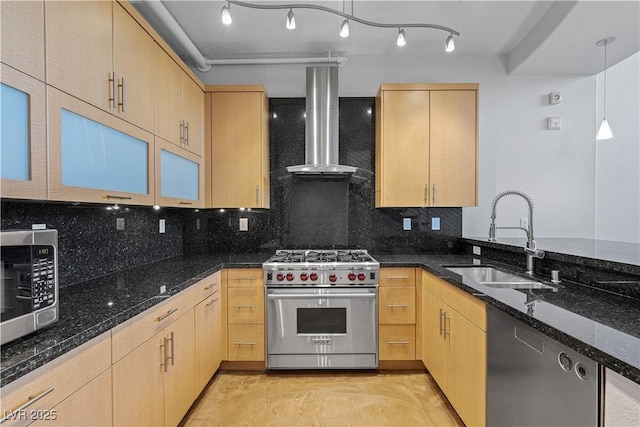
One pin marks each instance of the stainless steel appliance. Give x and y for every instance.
(533, 380)
(321, 310)
(28, 281)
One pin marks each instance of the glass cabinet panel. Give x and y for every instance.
(14, 134)
(97, 156)
(179, 176)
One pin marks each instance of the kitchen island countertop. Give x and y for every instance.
(602, 326)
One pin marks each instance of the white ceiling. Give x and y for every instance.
(534, 37)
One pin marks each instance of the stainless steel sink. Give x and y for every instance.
(492, 277)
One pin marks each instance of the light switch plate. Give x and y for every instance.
(553, 123)
(120, 224)
(162, 226)
(244, 224)
(406, 224)
(435, 223)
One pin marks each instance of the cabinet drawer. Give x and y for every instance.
(468, 306)
(397, 342)
(244, 277)
(398, 276)
(397, 304)
(52, 383)
(246, 342)
(135, 331)
(204, 288)
(245, 305)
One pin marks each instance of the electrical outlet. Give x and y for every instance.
(38, 226)
(197, 223)
(477, 250)
(524, 223)
(435, 223)
(120, 224)
(162, 226)
(163, 289)
(406, 224)
(244, 224)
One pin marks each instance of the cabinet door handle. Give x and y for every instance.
(172, 349)
(113, 84)
(244, 343)
(185, 203)
(186, 133)
(433, 195)
(181, 132)
(121, 87)
(210, 303)
(167, 314)
(426, 194)
(258, 195)
(163, 346)
(398, 342)
(14, 413)
(447, 328)
(398, 305)
(111, 196)
(442, 327)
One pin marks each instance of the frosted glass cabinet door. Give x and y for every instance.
(96, 157)
(23, 150)
(179, 176)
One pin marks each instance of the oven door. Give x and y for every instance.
(322, 320)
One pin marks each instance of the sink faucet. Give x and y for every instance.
(530, 249)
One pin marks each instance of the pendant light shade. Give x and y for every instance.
(401, 38)
(449, 45)
(344, 28)
(604, 132)
(291, 20)
(226, 15)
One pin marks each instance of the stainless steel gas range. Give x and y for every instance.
(321, 309)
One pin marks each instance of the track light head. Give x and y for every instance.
(401, 38)
(226, 15)
(344, 28)
(291, 20)
(449, 45)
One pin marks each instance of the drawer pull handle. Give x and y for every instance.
(250, 307)
(398, 305)
(244, 343)
(244, 279)
(210, 303)
(185, 203)
(398, 342)
(211, 286)
(31, 400)
(167, 314)
(397, 277)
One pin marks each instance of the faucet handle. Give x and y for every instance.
(538, 253)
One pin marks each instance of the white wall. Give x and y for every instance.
(556, 168)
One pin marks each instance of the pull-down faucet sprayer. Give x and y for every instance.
(530, 249)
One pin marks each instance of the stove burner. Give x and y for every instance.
(319, 256)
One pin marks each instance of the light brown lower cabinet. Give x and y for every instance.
(208, 334)
(454, 346)
(397, 314)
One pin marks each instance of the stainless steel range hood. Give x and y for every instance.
(321, 138)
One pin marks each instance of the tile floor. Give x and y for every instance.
(322, 399)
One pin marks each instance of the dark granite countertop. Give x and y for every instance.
(603, 326)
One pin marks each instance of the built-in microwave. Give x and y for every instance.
(28, 282)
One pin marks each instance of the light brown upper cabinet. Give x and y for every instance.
(179, 104)
(238, 148)
(97, 52)
(426, 145)
(22, 30)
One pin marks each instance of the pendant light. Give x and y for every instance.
(226, 15)
(344, 28)
(401, 38)
(605, 131)
(291, 20)
(449, 45)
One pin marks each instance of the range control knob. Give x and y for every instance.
(333, 278)
(352, 276)
(289, 276)
(280, 277)
(361, 276)
(304, 276)
(313, 276)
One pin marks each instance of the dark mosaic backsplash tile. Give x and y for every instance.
(89, 245)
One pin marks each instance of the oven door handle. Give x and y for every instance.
(318, 296)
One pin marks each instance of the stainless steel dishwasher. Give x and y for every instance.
(533, 380)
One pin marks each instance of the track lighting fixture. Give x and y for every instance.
(344, 28)
(226, 14)
(449, 45)
(401, 41)
(291, 20)
(604, 132)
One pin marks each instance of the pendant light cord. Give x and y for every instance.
(604, 109)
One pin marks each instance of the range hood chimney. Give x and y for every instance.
(321, 138)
